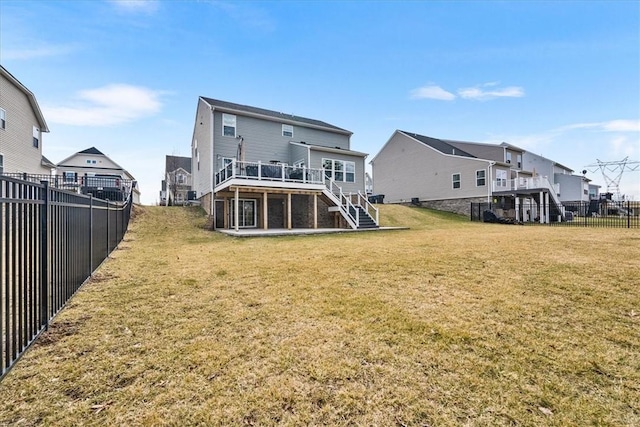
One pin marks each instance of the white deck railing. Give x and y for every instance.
(532, 183)
(269, 172)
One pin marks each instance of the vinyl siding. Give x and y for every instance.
(16, 140)
(405, 169)
(347, 187)
(202, 134)
(263, 140)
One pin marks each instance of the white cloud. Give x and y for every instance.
(610, 126)
(480, 94)
(43, 51)
(247, 15)
(106, 106)
(135, 6)
(432, 92)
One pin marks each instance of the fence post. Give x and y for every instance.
(90, 235)
(44, 259)
(107, 254)
(628, 214)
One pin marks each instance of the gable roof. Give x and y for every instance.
(92, 150)
(173, 163)
(30, 96)
(272, 115)
(438, 144)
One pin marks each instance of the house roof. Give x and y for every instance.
(30, 96)
(92, 150)
(330, 149)
(274, 115)
(173, 163)
(47, 162)
(438, 144)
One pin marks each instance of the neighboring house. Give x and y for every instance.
(258, 168)
(21, 127)
(92, 172)
(177, 182)
(450, 175)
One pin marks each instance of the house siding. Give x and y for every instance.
(202, 174)
(406, 169)
(16, 140)
(347, 187)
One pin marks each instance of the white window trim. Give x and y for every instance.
(227, 119)
(501, 178)
(3, 118)
(287, 128)
(1, 163)
(508, 157)
(36, 137)
(232, 213)
(332, 171)
(484, 177)
(459, 181)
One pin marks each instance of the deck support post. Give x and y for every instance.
(517, 208)
(315, 210)
(225, 213)
(288, 211)
(236, 205)
(265, 211)
(541, 208)
(546, 207)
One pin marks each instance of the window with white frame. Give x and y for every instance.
(3, 119)
(339, 170)
(481, 178)
(1, 163)
(287, 130)
(36, 137)
(229, 125)
(455, 180)
(69, 176)
(508, 157)
(501, 178)
(181, 178)
(519, 160)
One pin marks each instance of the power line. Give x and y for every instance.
(612, 172)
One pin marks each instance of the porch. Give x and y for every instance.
(531, 199)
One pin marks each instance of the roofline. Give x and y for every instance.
(61, 164)
(275, 119)
(329, 149)
(30, 96)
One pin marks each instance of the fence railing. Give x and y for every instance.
(269, 172)
(594, 213)
(51, 241)
(107, 187)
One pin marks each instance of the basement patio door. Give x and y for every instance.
(247, 217)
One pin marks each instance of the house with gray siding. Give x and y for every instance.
(21, 127)
(450, 175)
(177, 183)
(258, 168)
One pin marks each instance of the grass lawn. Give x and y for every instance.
(449, 323)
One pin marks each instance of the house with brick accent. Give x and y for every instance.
(258, 168)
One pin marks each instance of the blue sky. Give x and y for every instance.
(561, 79)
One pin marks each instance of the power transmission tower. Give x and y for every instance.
(612, 172)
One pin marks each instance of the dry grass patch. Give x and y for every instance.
(450, 323)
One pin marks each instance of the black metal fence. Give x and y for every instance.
(595, 213)
(51, 241)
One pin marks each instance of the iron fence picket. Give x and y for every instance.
(49, 247)
(599, 214)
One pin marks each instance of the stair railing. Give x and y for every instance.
(368, 205)
(344, 203)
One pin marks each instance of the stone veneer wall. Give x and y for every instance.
(459, 206)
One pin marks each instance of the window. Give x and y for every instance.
(519, 160)
(247, 213)
(3, 119)
(508, 157)
(229, 125)
(501, 178)
(455, 179)
(481, 176)
(36, 137)
(69, 176)
(181, 178)
(1, 163)
(287, 130)
(339, 170)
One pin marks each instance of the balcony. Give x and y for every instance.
(268, 175)
(525, 185)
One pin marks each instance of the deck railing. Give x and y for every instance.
(269, 172)
(530, 183)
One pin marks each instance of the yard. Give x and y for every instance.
(449, 323)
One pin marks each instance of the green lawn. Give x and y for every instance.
(448, 323)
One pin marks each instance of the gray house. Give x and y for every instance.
(258, 168)
(450, 175)
(177, 183)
